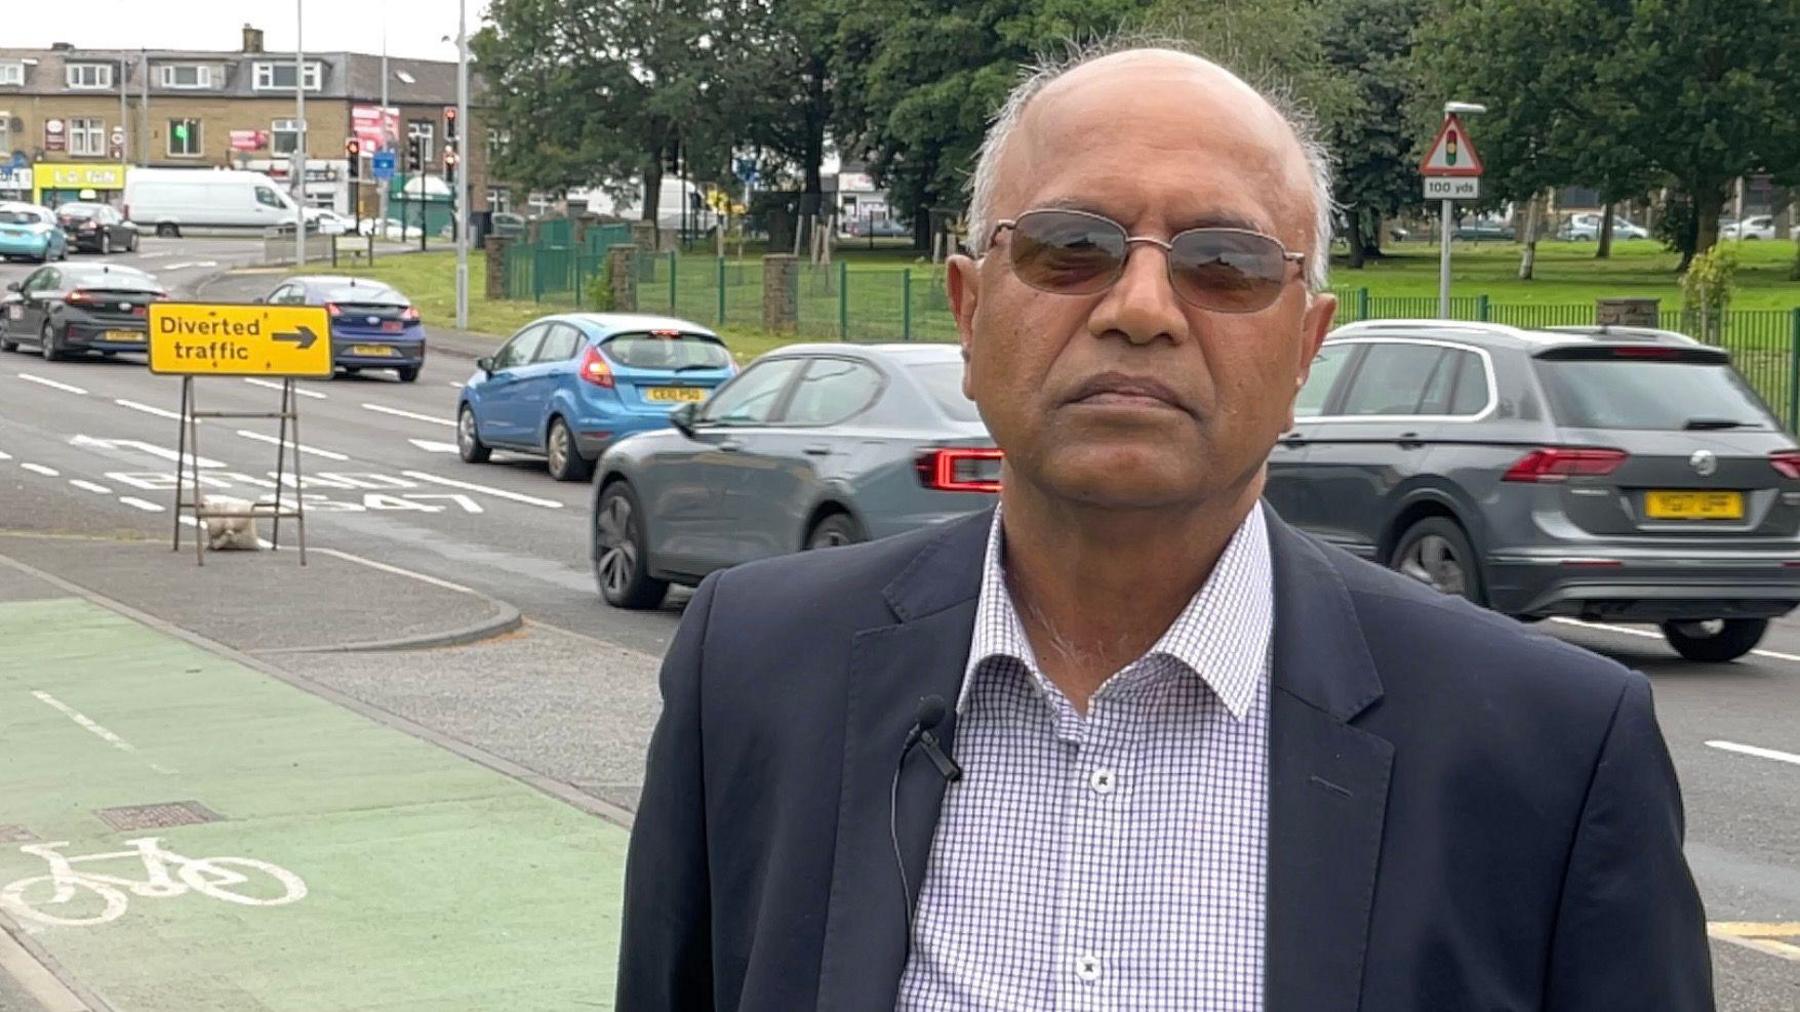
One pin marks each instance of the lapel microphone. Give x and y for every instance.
(930, 714)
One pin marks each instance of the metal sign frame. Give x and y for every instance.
(187, 471)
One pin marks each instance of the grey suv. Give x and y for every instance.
(1616, 474)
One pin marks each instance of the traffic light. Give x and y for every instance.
(415, 158)
(450, 160)
(353, 155)
(450, 123)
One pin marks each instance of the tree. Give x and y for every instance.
(1368, 46)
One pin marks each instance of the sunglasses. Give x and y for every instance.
(1225, 270)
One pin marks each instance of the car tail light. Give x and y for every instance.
(333, 309)
(1647, 351)
(960, 470)
(594, 368)
(1787, 462)
(1559, 463)
(81, 297)
(410, 314)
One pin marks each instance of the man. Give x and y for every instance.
(1170, 754)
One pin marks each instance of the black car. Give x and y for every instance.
(98, 228)
(67, 308)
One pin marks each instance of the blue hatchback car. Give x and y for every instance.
(567, 386)
(373, 326)
(27, 230)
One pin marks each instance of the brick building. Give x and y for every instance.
(74, 119)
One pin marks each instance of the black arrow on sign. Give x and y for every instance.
(302, 339)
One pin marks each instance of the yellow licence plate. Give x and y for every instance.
(124, 335)
(1694, 505)
(675, 394)
(374, 350)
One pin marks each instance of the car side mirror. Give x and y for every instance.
(12, 286)
(684, 418)
(485, 364)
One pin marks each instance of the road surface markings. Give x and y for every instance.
(185, 264)
(88, 486)
(75, 715)
(455, 386)
(154, 256)
(433, 419)
(166, 874)
(1753, 750)
(259, 437)
(272, 385)
(90, 443)
(1763, 937)
(48, 472)
(529, 500)
(1649, 635)
(433, 446)
(144, 504)
(148, 410)
(54, 385)
(4, 455)
(398, 571)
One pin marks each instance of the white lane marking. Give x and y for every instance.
(1649, 635)
(4, 455)
(259, 437)
(75, 715)
(469, 486)
(398, 571)
(1757, 751)
(148, 410)
(89, 442)
(455, 386)
(272, 385)
(432, 446)
(183, 265)
(411, 414)
(48, 472)
(154, 256)
(143, 504)
(41, 381)
(88, 486)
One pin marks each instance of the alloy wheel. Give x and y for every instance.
(618, 545)
(1432, 560)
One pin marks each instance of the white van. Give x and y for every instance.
(170, 200)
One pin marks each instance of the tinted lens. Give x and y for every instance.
(1061, 251)
(1227, 271)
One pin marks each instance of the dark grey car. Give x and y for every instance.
(809, 447)
(66, 309)
(1601, 473)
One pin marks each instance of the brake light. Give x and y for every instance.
(1787, 462)
(1647, 351)
(81, 297)
(960, 470)
(594, 368)
(410, 314)
(1557, 463)
(665, 333)
(333, 309)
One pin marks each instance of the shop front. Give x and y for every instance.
(55, 183)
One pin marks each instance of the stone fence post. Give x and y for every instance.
(1627, 312)
(621, 269)
(494, 249)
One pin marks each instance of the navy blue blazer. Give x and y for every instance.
(1464, 814)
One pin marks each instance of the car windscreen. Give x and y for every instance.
(943, 380)
(667, 351)
(78, 210)
(113, 279)
(1668, 395)
(19, 217)
(378, 295)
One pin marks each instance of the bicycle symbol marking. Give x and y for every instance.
(68, 897)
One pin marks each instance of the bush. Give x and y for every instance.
(1706, 289)
(600, 292)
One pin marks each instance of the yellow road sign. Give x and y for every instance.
(205, 339)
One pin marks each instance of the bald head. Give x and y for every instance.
(1157, 108)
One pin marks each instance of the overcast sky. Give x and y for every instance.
(414, 27)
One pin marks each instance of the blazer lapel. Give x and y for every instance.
(923, 654)
(1328, 786)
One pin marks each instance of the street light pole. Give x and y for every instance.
(299, 138)
(387, 139)
(465, 141)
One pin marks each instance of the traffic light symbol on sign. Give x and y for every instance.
(1450, 148)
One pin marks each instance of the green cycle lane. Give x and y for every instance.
(350, 866)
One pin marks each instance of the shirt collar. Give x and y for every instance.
(1222, 635)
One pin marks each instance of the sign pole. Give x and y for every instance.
(1444, 263)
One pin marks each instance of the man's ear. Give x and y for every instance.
(1315, 323)
(963, 280)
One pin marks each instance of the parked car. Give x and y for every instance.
(169, 200)
(373, 326)
(96, 227)
(66, 309)
(1484, 229)
(507, 224)
(567, 386)
(1757, 226)
(1612, 474)
(879, 228)
(325, 221)
(812, 446)
(31, 231)
(1586, 227)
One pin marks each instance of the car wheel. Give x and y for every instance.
(7, 344)
(834, 530)
(106, 244)
(408, 373)
(52, 352)
(1437, 553)
(468, 440)
(621, 565)
(131, 243)
(168, 230)
(1717, 640)
(566, 462)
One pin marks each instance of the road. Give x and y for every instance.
(86, 446)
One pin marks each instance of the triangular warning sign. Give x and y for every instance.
(1453, 153)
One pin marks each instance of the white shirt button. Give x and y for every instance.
(1087, 967)
(1103, 781)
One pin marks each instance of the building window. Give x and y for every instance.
(5, 131)
(87, 137)
(421, 129)
(184, 138)
(280, 76)
(12, 73)
(90, 75)
(285, 136)
(499, 200)
(188, 75)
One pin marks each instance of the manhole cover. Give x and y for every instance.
(16, 834)
(158, 816)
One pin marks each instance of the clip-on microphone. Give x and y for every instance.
(930, 714)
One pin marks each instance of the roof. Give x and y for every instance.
(613, 322)
(919, 351)
(344, 75)
(1499, 335)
